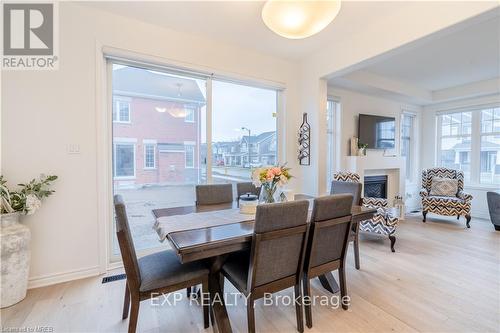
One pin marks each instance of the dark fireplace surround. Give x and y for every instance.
(375, 187)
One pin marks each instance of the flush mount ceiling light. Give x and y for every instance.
(299, 19)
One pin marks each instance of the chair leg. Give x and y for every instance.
(458, 216)
(424, 213)
(188, 292)
(126, 302)
(356, 251)
(343, 287)
(205, 302)
(393, 241)
(221, 283)
(307, 304)
(134, 314)
(299, 311)
(251, 315)
(468, 217)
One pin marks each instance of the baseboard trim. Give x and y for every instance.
(47, 280)
(480, 214)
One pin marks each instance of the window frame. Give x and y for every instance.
(110, 56)
(483, 134)
(333, 158)
(116, 107)
(149, 143)
(129, 142)
(410, 177)
(476, 134)
(191, 112)
(191, 146)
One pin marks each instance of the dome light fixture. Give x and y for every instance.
(299, 19)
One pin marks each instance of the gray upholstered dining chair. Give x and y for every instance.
(214, 194)
(154, 274)
(276, 259)
(327, 245)
(343, 187)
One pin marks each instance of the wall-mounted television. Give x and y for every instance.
(376, 131)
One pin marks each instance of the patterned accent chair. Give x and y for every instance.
(383, 223)
(450, 206)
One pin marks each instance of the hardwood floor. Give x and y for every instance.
(442, 278)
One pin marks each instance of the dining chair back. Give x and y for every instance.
(126, 244)
(279, 242)
(213, 194)
(345, 187)
(276, 257)
(328, 242)
(154, 274)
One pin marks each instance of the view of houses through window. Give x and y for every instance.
(160, 136)
(243, 130)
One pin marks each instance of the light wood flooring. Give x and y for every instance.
(442, 278)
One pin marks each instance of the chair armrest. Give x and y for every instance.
(464, 196)
(374, 202)
(424, 193)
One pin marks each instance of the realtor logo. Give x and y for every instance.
(29, 36)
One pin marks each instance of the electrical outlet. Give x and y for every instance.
(73, 148)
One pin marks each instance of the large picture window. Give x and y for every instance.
(160, 151)
(470, 141)
(490, 146)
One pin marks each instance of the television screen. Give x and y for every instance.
(376, 131)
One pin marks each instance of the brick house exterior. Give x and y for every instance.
(156, 126)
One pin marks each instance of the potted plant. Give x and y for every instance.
(362, 149)
(271, 179)
(15, 237)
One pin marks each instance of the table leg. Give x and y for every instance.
(218, 312)
(328, 282)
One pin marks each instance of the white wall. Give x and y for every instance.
(43, 112)
(352, 104)
(429, 154)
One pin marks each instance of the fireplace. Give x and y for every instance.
(375, 187)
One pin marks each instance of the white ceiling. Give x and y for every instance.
(432, 70)
(470, 55)
(239, 22)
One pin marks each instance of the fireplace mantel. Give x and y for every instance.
(392, 166)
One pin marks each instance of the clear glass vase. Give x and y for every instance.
(270, 193)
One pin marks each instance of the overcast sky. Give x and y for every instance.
(236, 106)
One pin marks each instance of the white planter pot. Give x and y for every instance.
(15, 260)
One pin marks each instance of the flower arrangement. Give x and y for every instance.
(26, 200)
(270, 179)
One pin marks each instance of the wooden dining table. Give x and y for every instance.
(215, 243)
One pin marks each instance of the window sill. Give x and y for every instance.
(483, 187)
(124, 178)
(149, 169)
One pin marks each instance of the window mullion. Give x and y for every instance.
(475, 146)
(208, 125)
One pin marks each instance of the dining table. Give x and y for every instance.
(213, 232)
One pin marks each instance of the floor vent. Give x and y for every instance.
(114, 278)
